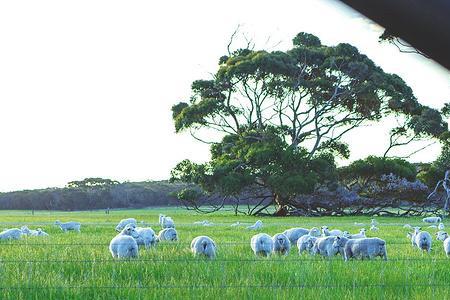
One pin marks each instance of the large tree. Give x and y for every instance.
(281, 117)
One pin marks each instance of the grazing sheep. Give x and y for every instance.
(433, 226)
(447, 245)
(412, 235)
(281, 244)
(360, 235)
(306, 243)
(346, 234)
(441, 226)
(262, 244)
(327, 232)
(373, 222)
(294, 234)
(124, 244)
(146, 237)
(68, 226)
(11, 234)
(362, 248)
(407, 226)
(324, 246)
(423, 240)
(166, 222)
(236, 224)
(204, 223)
(125, 222)
(258, 225)
(168, 234)
(203, 246)
(432, 219)
(40, 232)
(359, 224)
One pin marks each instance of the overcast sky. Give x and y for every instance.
(86, 86)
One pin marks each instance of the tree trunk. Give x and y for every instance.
(281, 206)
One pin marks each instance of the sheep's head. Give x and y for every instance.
(57, 222)
(339, 242)
(417, 229)
(130, 230)
(441, 235)
(362, 231)
(346, 234)
(314, 232)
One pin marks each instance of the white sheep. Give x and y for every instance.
(124, 244)
(258, 225)
(423, 240)
(324, 246)
(432, 219)
(262, 244)
(168, 234)
(361, 248)
(306, 243)
(204, 223)
(373, 222)
(166, 222)
(412, 235)
(327, 232)
(441, 235)
(281, 244)
(125, 222)
(441, 226)
(68, 226)
(11, 234)
(407, 226)
(203, 246)
(360, 235)
(146, 237)
(293, 234)
(236, 224)
(447, 245)
(38, 232)
(374, 228)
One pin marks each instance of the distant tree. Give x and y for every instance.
(91, 182)
(282, 115)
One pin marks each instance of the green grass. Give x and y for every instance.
(79, 266)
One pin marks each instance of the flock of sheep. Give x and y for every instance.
(323, 242)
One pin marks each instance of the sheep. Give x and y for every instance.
(407, 226)
(68, 226)
(146, 237)
(412, 235)
(360, 235)
(168, 234)
(124, 245)
(204, 223)
(294, 234)
(203, 246)
(306, 243)
(11, 234)
(441, 226)
(422, 240)
(258, 225)
(281, 244)
(261, 244)
(361, 248)
(373, 222)
(334, 232)
(38, 232)
(432, 220)
(236, 224)
(346, 234)
(447, 245)
(324, 246)
(441, 235)
(125, 222)
(359, 224)
(166, 222)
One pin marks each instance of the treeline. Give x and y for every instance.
(94, 193)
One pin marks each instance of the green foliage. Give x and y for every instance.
(91, 182)
(373, 167)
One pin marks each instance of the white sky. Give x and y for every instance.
(86, 86)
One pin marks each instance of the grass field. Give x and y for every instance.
(79, 266)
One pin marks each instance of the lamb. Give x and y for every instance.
(168, 234)
(334, 232)
(441, 226)
(203, 246)
(11, 234)
(68, 226)
(262, 244)
(125, 222)
(407, 226)
(374, 228)
(361, 248)
(166, 222)
(360, 235)
(38, 232)
(373, 222)
(146, 237)
(306, 243)
(281, 244)
(258, 225)
(432, 220)
(294, 234)
(324, 246)
(446, 244)
(204, 223)
(441, 235)
(423, 240)
(124, 244)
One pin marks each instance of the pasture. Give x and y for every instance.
(79, 265)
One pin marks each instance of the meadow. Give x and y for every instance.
(79, 266)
